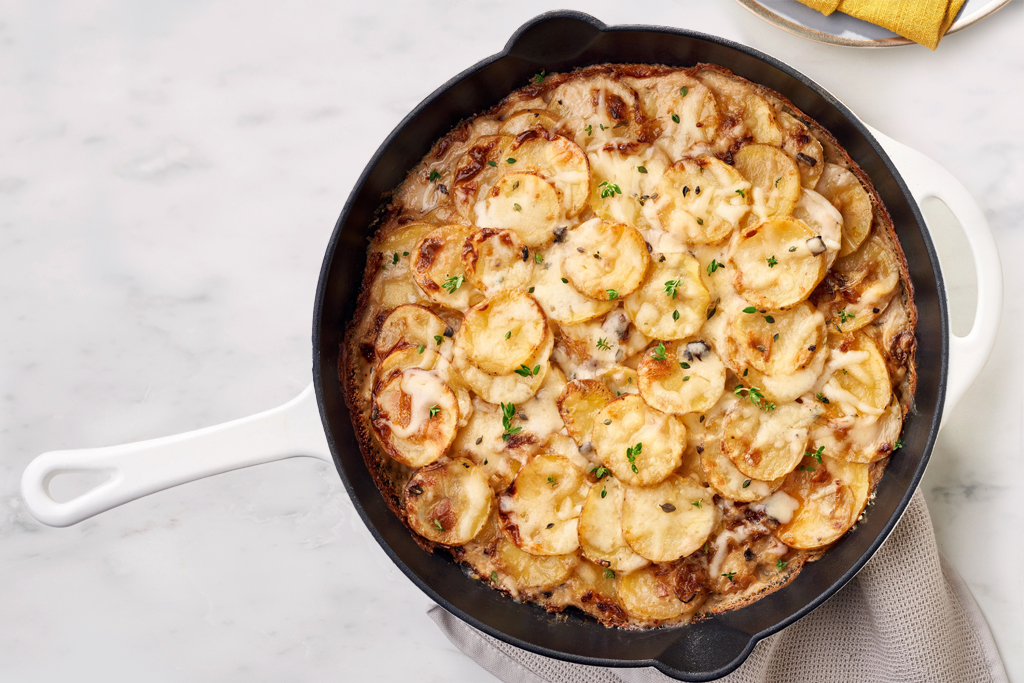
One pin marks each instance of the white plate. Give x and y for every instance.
(842, 29)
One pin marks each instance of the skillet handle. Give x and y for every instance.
(139, 469)
(925, 179)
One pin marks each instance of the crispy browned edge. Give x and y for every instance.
(377, 462)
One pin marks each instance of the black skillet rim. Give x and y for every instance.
(901, 506)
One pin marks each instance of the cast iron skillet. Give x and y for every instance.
(561, 41)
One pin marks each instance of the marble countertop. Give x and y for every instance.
(169, 176)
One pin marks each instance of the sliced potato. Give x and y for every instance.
(510, 388)
(701, 200)
(598, 109)
(773, 176)
(773, 265)
(622, 179)
(639, 444)
(477, 172)
(502, 333)
(862, 438)
(778, 342)
(649, 594)
(608, 339)
(437, 267)
(579, 403)
(862, 284)
(841, 187)
(798, 142)
(415, 415)
(605, 261)
(539, 510)
(855, 475)
(724, 478)
(681, 377)
(560, 300)
(669, 520)
(620, 379)
(822, 218)
(529, 119)
(523, 202)
(496, 259)
(405, 356)
(593, 586)
(558, 160)
(600, 529)
(856, 380)
(672, 302)
(750, 114)
(448, 502)
(412, 324)
(824, 507)
(680, 109)
(766, 444)
(534, 571)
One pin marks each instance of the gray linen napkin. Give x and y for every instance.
(906, 617)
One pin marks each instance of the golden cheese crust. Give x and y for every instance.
(639, 340)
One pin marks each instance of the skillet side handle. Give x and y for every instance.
(706, 651)
(139, 469)
(927, 179)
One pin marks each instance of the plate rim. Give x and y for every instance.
(793, 27)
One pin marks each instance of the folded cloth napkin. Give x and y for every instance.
(906, 617)
(922, 21)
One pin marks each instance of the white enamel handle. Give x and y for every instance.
(139, 469)
(926, 178)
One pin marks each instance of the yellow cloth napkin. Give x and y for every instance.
(922, 21)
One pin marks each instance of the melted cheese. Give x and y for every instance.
(425, 391)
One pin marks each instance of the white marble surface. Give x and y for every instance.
(169, 176)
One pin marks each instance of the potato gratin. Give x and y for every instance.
(639, 340)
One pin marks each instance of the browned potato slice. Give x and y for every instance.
(856, 380)
(534, 571)
(448, 502)
(496, 259)
(861, 438)
(681, 377)
(605, 261)
(750, 113)
(477, 171)
(600, 529)
(415, 415)
(579, 403)
(862, 284)
(594, 587)
(649, 594)
(766, 444)
(701, 200)
(523, 202)
(598, 109)
(558, 160)
(824, 507)
(395, 285)
(620, 379)
(560, 300)
(680, 109)
(511, 388)
(841, 187)
(437, 267)
(502, 333)
(403, 357)
(528, 119)
(672, 302)
(724, 478)
(778, 342)
(669, 520)
(539, 510)
(855, 475)
(798, 142)
(412, 324)
(773, 265)
(639, 444)
(774, 179)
